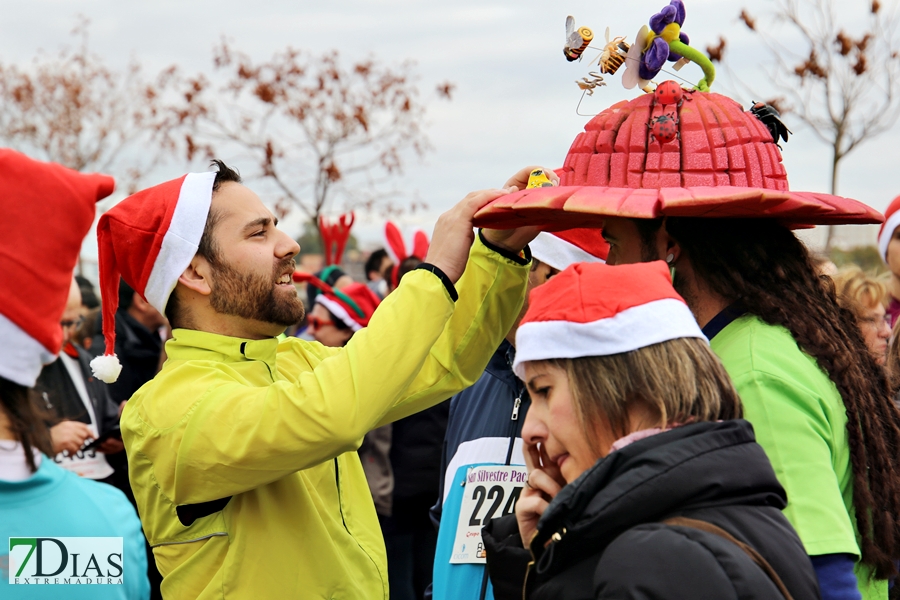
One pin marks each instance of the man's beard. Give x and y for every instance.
(252, 295)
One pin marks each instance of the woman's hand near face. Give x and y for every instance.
(544, 482)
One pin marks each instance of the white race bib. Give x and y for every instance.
(491, 492)
(90, 464)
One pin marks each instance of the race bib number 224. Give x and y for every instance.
(491, 492)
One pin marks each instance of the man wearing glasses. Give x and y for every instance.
(77, 407)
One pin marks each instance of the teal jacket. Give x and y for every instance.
(56, 503)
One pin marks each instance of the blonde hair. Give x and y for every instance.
(858, 291)
(681, 381)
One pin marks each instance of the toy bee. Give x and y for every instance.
(588, 85)
(576, 41)
(538, 179)
(613, 54)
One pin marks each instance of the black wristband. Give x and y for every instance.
(451, 289)
(520, 260)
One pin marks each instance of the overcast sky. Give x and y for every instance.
(515, 97)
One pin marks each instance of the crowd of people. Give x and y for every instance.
(657, 404)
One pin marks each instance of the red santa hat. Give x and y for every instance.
(598, 310)
(353, 304)
(148, 240)
(891, 222)
(356, 313)
(560, 249)
(47, 212)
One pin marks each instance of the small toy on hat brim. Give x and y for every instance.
(47, 211)
(600, 310)
(891, 222)
(721, 161)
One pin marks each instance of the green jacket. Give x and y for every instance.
(276, 427)
(800, 420)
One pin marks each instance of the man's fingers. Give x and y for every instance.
(520, 179)
(475, 201)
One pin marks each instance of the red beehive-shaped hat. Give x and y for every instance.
(723, 162)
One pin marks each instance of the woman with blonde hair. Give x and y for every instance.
(643, 482)
(865, 296)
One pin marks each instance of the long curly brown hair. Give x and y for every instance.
(763, 265)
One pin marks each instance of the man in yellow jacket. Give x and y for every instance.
(242, 449)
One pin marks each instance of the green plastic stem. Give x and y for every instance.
(698, 57)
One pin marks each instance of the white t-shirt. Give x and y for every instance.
(12, 461)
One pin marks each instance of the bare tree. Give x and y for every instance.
(72, 109)
(321, 131)
(845, 88)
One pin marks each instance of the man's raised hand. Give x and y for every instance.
(516, 239)
(453, 233)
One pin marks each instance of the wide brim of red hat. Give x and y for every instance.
(557, 208)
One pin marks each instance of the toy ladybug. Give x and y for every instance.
(669, 92)
(663, 128)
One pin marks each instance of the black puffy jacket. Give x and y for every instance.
(606, 539)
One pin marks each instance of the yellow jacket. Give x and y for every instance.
(276, 427)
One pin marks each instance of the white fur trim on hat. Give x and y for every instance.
(106, 368)
(633, 328)
(557, 252)
(182, 238)
(887, 232)
(21, 356)
(339, 311)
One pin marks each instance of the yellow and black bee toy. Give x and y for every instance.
(576, 41)
(537, 179)
(613, 54)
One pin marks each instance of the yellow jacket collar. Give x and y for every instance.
(188, 344)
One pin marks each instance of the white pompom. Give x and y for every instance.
(106, 368)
